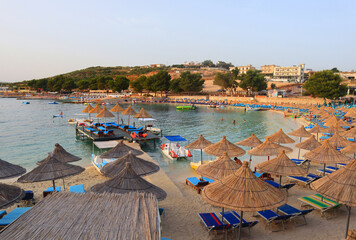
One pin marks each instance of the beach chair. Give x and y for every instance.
(13, 215)
(28, 198)
(89, 129)
(109, 133)
(327, 171)
(233, 218)
(114, 124)
(305, 180)
(324, 205)
(207, 179)
(134, 129)
(341, 165)
(299, 161)
(50, 191)
(196, 183)
(290, 210)
(101, 128)
(276, 185)
(272, 217)
(2, 213)
(77, 188)
(331, 168)
(212, 222)
(99, 133)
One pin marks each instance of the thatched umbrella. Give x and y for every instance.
(280, 137)
(243, 191)
(9, 195)
(120, 150)
(104, 113)
(62, 155)
(87, 109)
(9, 170)
(251, 142)
(200, 143)
(128, 181)
(217, 149)
(142, 114)
(331, 121)
(351, 113)
(339, 186)
(117, 108)
(350, 133)
(140, 166)
(336, 128)
(218, 169)
(50, 169)
(268, 148)
(309, 144)
(300, 132)
(326, 154)
(317, 129)
(96, 109)
(281, 166)
(351, 149)
(129, 111)
(338, 141)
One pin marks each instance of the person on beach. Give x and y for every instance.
(238, 161)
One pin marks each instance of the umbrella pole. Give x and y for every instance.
(280, 181)
(348, 220)
(298, 153)
(54, 186)
(241, 217)
(222, 215)
(64, 186)
(201, 156)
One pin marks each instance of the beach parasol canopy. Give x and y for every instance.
(243, 191)
(96, 109)
(128, 181)
(331, 121)
(105, 114)
(87, 109)
(217, 149)
(300, 132)
(9, 195)
(117, 108)
(120, 150)
(62, 155)
(326, 154)
(280, 137)
(351, 113)
(337, 141)
(200, 143)
(218, 169)
(309, 144)
(350, 133)
(140, 166)
(339, 186)
(317, 129)
(251, 141)
(50, 169)
(129, 111)
(9, 170)
(268, 148)
(351, 149)
(142, 114)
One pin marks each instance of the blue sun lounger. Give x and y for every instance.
(13, 215)
(327, 171)
(290, 210)
(50, 189)
(114, 124)
(77, 188)
(90, 129)
(299, 161)
(271, 216)
(207, 179)
(2, 213)
(196, 183)
(233, 218)
(331, 168)
(341, 164)
(276, 185)
(212, 222)
(101, 128)
(306, 180)
(134, 129)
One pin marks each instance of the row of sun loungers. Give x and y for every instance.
(305, 180)
(319, 202)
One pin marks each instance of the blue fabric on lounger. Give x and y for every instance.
(2, 213)
(13, 215)
(271, 216)
(276, 185)
(212, 222)
(114, 124)
(207, 179)
(77, 188)
(326, 171)
(50, 189)
(194, 180)
(290, 210)
(90, 129)
(101, 128)
(331, 168)
(234, 219)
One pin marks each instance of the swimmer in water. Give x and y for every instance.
(234, 122)
(222, 119)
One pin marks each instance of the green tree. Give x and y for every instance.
(58, 83)
(162, 81)
(138, 84)
(235, 73)
(335, 70)
(83, 84)
(69, 84)
(149, 84)
(325, 84)
(273, 86)
(175, 86)
(208, 63)
(189, 82)
(225, 81)
(120, 83)
(222, 64)
(253, 80)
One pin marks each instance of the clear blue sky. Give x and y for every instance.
(45, 38)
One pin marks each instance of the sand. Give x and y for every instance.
(182, 204)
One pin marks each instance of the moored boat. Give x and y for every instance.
(186, 107)
(52, 103)
(173, 150)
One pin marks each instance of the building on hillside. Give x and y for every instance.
(268, 69)
(189, 64)
(348, 75)
(243, 69)
(289, 74)
(157, 65)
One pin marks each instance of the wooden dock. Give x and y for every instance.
(118, 134)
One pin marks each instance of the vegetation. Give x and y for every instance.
(273, 86)
(325, 84)
(224, 65)
(226, 80)
(208, 63)
(253, 80)
(188, 82)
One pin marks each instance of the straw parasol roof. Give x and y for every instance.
(280, 137)
(251, 141)
(140, 166)
(243, 191)
(351, 149)
(326, 154)
(200, 143)
(337, 141)
(300, 132)
(120, 150)
(317, 129)
(9, 195)
(117, 108)
(50, 169)
(281, 165)
(350, 133)
(9, 170)
(62, 155)
(87, 108)
(334, 129)
(128, 181)
(331, 121)
(105, 114)
(351, 113)
(97, 109)
(129, 111)
(309, 144)
(268, 148)
(217, 149)
(219, 168)
(142, 114)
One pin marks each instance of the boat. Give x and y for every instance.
(52, 103)
(253, 109)
(25, 102)
(173, 150)
(96, 160)
(149, 127)
(212, 106)
(195, 165)
(186, 107)
(59, 115)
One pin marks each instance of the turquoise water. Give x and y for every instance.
(29, 132)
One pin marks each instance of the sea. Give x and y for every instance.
(29, 131)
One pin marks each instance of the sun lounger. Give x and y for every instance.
(90, 129)
(306, 180)
(101, 128)
(99, 133)
(2, 213)
(212, 222)
(331, 168)
(317, 202)
(276, 185)
(326, 171)
(29, 197)
(196, 183)
(109, 132)
(106, 125)
(341, 165)
(207, 179)
(134, 129)
(50, 189)
(272, 217)
(299, 161)
(290, 210)
(77, 188)
(114, 124)
(13, 215)
(97, 124)
(233, 218)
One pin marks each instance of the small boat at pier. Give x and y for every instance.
(173, 150)
(186, 107)
(59, 115)
(52, 103)
(25, 102)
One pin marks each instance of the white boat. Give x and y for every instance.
(149, 127)
(96, 160)
(253, 109)
(173, 150)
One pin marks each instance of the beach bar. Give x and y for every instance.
(89, 216)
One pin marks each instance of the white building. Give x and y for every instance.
(289, 74)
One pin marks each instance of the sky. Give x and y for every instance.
(42, 38)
